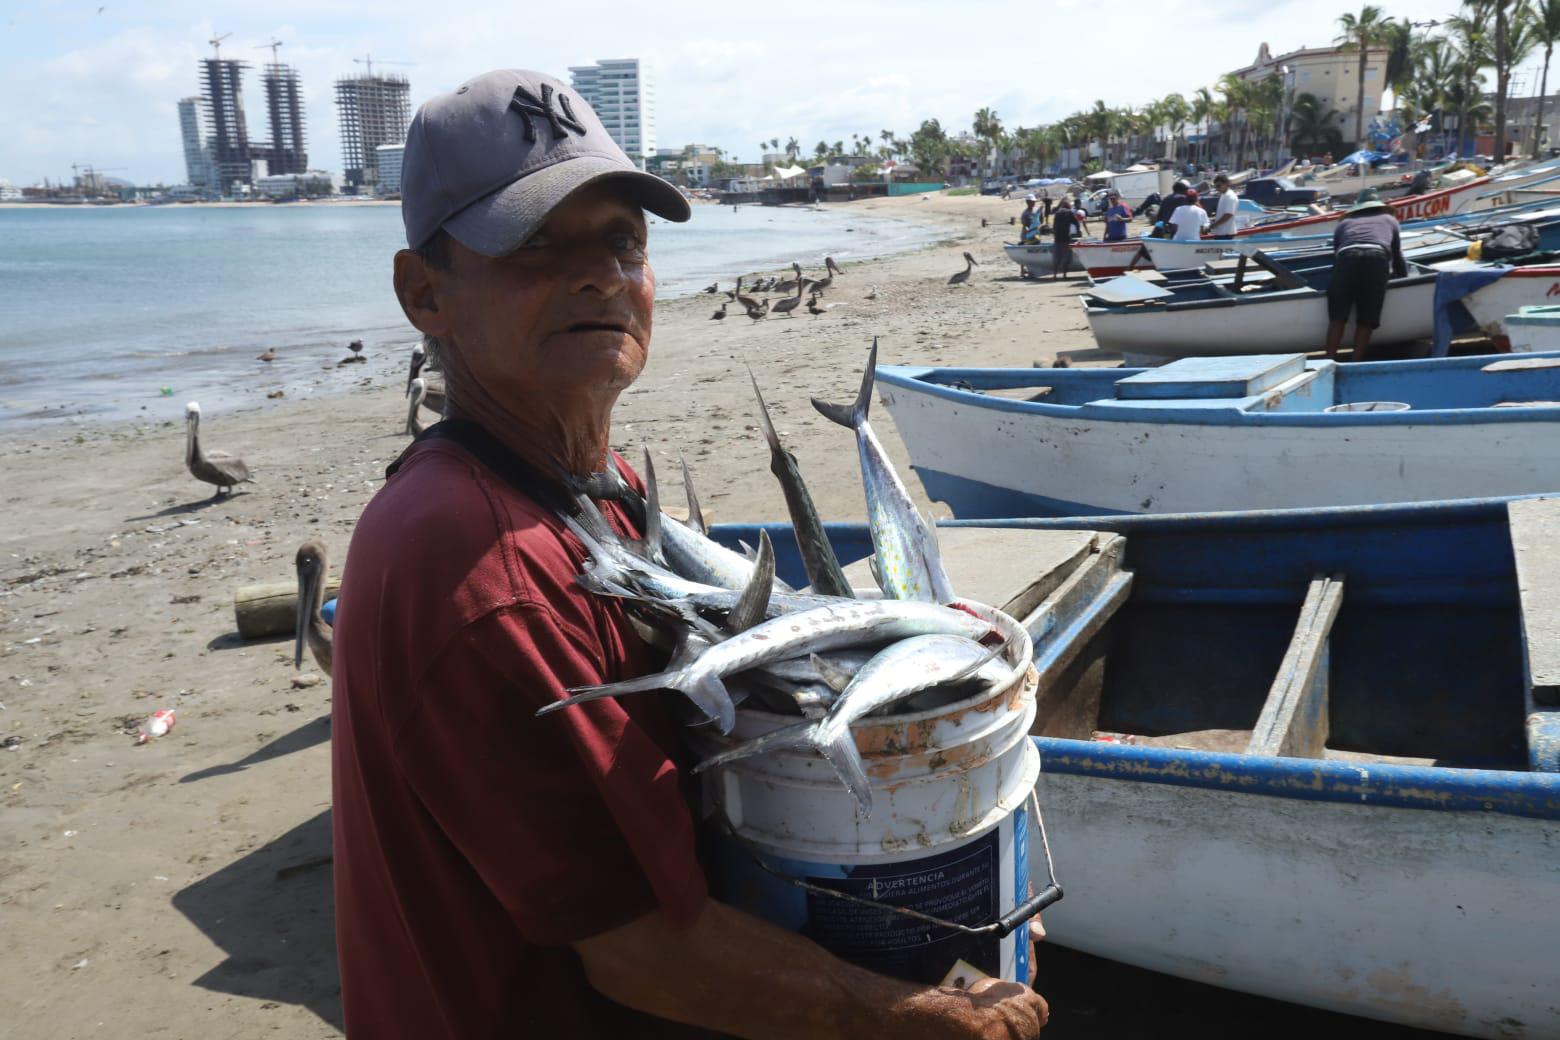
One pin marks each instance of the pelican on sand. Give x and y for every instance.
(419, 391)
(964, 275)
(433, 398)
(311, 627)
(214, 467)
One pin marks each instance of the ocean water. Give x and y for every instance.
(116, 312)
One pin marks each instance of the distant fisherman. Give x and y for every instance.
(1167, 209)
(1367, 254)
(1189, 218)
(1067, 226)
(1117, 214)
(1225, 222)
(1030, 220)
(499, 874)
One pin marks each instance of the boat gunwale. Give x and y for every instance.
(910, 378)
(1377, 784)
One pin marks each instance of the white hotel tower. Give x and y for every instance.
(620, 91)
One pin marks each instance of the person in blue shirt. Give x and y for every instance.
(1030, 220)
(1117, 214)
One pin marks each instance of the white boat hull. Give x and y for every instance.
(1110, 258)
(1431, 919)
(1490, 304)
(1006, 464)
(1036, 258)
(1283, 325)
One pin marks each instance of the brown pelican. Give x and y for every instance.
(758, 312)
(268, 356)
(311, 627)
(790, 283)
(830, 270)
(964, 275)
(419, 390)
(214, 467)
(790, 303)
(812, 305)
(732, 294)
(720, 315)
(746, 301)
(434, 397)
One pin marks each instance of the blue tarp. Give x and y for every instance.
(1363, 156)
(1451, 286)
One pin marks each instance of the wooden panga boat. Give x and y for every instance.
(1209, 434)
(1037, 257)
(1107, 258)
(1307, 754)
(1280, 311)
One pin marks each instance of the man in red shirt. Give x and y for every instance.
(499, 874)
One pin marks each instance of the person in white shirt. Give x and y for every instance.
(1225, 223)
(1190, 219)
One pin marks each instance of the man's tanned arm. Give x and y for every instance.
(737, 974)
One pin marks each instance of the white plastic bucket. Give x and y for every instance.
(1370, 406)
(947, 836)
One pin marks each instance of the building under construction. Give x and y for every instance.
(287, 153)
(231, 154)
(374, 110)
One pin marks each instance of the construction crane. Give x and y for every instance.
(216, 44)
(368, 60)
(92, 182)
(274, 46)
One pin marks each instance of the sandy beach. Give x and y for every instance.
(182, 888)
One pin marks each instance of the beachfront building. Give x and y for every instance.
(1332, 75)
(389, 165)
(310, 184)
(195, 129)
(283, 103)
(231, 156)
(622, 94)
(374, 109)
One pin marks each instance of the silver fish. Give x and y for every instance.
(909, 566)
(841, 624)
(822, 566)
(898, 671)
(690, 553)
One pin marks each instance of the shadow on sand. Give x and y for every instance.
(180, 509)
(272, 913)
(305, 736)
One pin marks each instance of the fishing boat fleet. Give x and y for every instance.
(1298, 691)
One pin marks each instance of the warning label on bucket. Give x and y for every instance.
(961, 886)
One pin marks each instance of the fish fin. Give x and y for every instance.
(695, 514)
(856, 414)
(652, 530)
(785, 738)
(764, 422)
(582, 694)
(753, 604)
(836, 677)
(747, 550)
(842, 754)
(877, 573)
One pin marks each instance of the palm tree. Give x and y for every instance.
(1238, 96)
(1546, 30)
(793, 148)
(1174, 111)
(1308, 124)
(1202, 109)
(1362, 32)
(1471, 50)
(988, 128)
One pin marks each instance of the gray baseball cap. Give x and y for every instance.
(491, 160)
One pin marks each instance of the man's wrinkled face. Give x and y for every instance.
(565, 315)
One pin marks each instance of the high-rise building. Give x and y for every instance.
(389, 166)
(231, 157)
(283, 104)
(622, 94)
(374, 110)
(195, 128)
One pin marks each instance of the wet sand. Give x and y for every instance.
(182, 888)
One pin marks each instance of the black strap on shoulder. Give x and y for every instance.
(486, 449)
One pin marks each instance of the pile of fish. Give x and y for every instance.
(738, 633)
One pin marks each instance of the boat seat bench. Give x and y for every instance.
(1293, 722)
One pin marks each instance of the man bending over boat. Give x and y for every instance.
(1367, 254)
(499, 874)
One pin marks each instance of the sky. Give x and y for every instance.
(98, 81)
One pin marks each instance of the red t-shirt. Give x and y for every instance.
(473, 840)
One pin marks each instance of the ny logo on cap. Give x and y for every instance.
(527, 105)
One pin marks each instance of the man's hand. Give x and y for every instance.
(989, 1010)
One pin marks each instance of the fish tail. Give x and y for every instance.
(841, 752)
(695, 514)
(856, 414)
(672, 680)
(785, 738)
(753, 604)
(652, 528)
